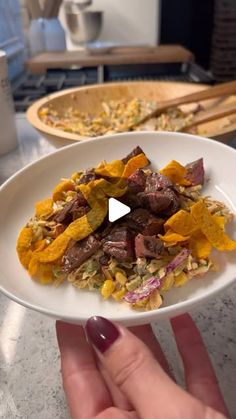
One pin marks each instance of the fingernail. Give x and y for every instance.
(101, 332)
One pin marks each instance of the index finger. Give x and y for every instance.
(85, 389)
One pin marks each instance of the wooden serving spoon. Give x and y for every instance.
(210, 115)
(223, 89)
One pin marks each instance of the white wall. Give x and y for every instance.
(129, 20)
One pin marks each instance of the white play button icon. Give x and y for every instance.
(116, 209)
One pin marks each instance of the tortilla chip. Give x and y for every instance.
(42, 272)
(137, 162)
(182, 222)
(176, 173)
(39, 245)
(63, 186)
(44, 208)
(220, 220)
(55, 249)
(23, 246)
(113, 169)
(110, 189)
(211, 229)
(199, 245)
(77, 230)
(172, 237)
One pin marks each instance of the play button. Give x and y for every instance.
(116, 210)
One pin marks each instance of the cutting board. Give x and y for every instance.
(130, 55)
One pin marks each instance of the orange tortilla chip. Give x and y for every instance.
(110, 189)
(23, 246)
(77, 230)
(25, 258)
(63, 186)
(176, 173)
(39, 245)
(55, 249)
(172, 237)
(44, 208)
(199, 245)
(98, 189)
(220, 220)
(42, 272)
(211, 229)
(182, 222)
(82, 227)
(137, 162)
(112, 169)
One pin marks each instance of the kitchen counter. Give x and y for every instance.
(30, 382)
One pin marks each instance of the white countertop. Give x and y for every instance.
(30, 382)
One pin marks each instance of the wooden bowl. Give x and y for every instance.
(89, 99)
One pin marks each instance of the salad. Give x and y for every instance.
(116, 116)
(164, 242)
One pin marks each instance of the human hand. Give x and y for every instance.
(118, 376)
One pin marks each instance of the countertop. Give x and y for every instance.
(30, 381)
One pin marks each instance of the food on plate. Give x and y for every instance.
(164, 242)
(116, 116)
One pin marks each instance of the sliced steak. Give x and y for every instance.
(119, 243)
(175, 202)
(141, 221)
(195, 172)
(156, 202)
(79, 253)
(148, 246)
(131, 199)
(137, 181)
(136, 151)
(156, 182)
(77, 207)
(78, 211)
(118, 253)
(64, 216)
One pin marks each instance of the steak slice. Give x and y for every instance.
(148, 246)
(74, 209)
(141, 221)
(156, 202)
(137, 181)
(119, 243)
(131, 199)
(79, 253)
(175, 202)
(195, 172)
(156, 182)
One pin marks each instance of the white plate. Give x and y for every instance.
(36, 182)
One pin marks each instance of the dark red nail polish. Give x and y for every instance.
(101, 332)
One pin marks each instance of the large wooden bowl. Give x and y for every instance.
(89, 99)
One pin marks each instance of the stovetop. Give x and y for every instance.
(30, 87)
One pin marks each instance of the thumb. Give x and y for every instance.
(135, 371)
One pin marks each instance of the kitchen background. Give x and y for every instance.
(124, 23)
(135, 21)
